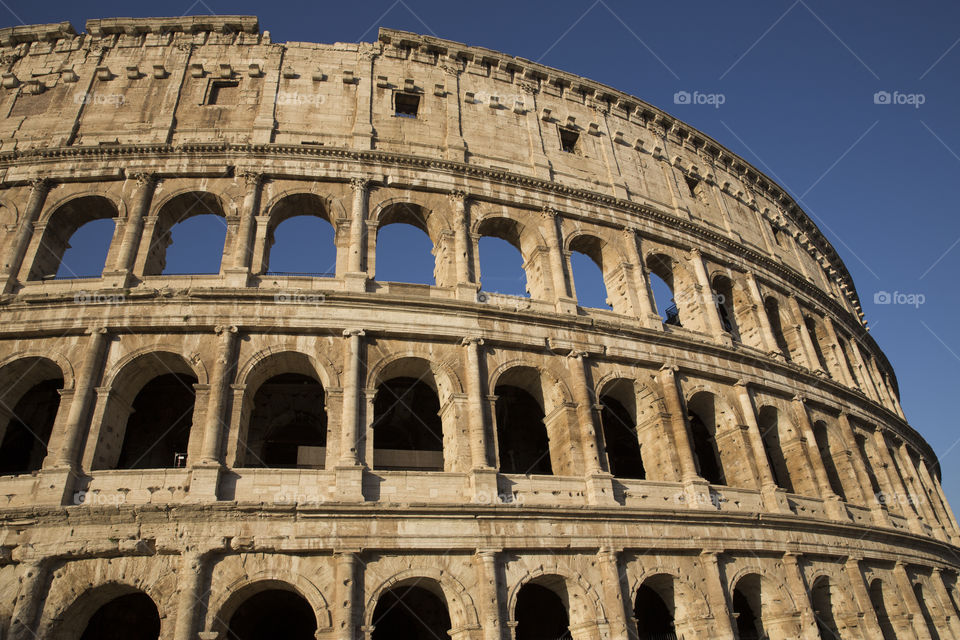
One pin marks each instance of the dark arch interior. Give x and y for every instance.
(620, 438)
(407, 431)
(723, 299)
(660, 273)
(541, 614)
(822, 602)
(24, 444)
(654, 618)
(746, 611)
(772, 310)
(158, 430)
(130, 617)
(705, 450)
(288, 424)
(925, 612)
(880, 609)
(822, 437)
(770, 435)
(273, 614)
(815, 339)
(410, 613)
(521, 434)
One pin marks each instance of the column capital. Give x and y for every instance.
(800, 398)
(40, 184)
(143, 178)
(742, 384)
(470, 340)
(629, 232)
(222, 329)
(669, 369)
(250, 178)
(349, 333)
(487, 554)
(457, 196)
(359, 184)
(93, 331)
(548, 213)
(695, 252)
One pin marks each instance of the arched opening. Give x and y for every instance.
(523, 444)
(407, 428)
(273, 613)
(288, 424)
(811, 327)
(158, 429)
(772, 309)
(829, 453)
(541, 610)
(405, 251)
(189, 236)
(925, 612)
(501, 267)
(723, 301)
(701, 412)
(653, 609)
(617, 410)
(747, 608)
(821, 597)
(660, 273)
(133, 616)
(300, 238)
(31, 398)
(879, 599)
(587, 267)
(416, 611)
(865, 456)
(768, 420)
(76, 240)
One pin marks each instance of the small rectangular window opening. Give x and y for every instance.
(223, 92)
(568, 140)
(406, 105)
(692, 185)
(776, 235)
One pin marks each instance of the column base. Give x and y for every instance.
(235, 277)
(835, 509)
(118, 279)
(355, 282)
(483, 486)
(469, 292)
(696, 494)
(567, 305)
(58, 486)
(653, 321)
(600, 490)
(774, 499)
(204, 480)
(349, 483)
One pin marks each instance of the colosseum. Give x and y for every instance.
(249, 453)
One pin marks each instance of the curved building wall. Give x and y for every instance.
(202, 447)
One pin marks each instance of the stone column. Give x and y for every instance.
(615, 603)
(489, 592)
(190, 594)
(484, 476)
(774, 499)
(901, 495)
(879, 382)
(349, 469)
(707, 306)
(356, 274)
(905, 587)
(646, 310)
(946, 505)
(345, 595)
(466, 289)
(697, 490)
(766, 329)
(866, 378)
(796, 586)
(870, 626)
(834, 509)
(565, 304)
(860, 468)
(8, 274)
(599, 482)
(837, 349)
(68, 453)
(946, 602)
(211, 452)
(243, 251)
(122, 268)
(717, 597)
(29, 601)
(922, 499)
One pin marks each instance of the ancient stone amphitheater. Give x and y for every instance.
(251, 454)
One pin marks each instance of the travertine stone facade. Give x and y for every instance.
(775, 485)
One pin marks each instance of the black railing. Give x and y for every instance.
(672, 314)
(304, 274)
(662, 635)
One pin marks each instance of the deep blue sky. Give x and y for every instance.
(798, 81)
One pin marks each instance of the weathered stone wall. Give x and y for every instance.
(825, 488)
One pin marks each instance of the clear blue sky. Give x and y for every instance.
(798, 81)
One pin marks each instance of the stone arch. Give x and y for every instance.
(684, 310)
(122, 386)
(30, 388)
(174, 208)
(526, 239)
(463, 613)
(323, 366)
(53, 205)
(434, 223)
(447, 380)
(785, 448)
(78, 588)
(608, 255)
(689, 602)
(292, 203)
(788, 343)
(627, 451)
(237, 592)
(717, 438)
(833, 452)
(584, 605)
(57, 358)
(58, 224)
(772, 604)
